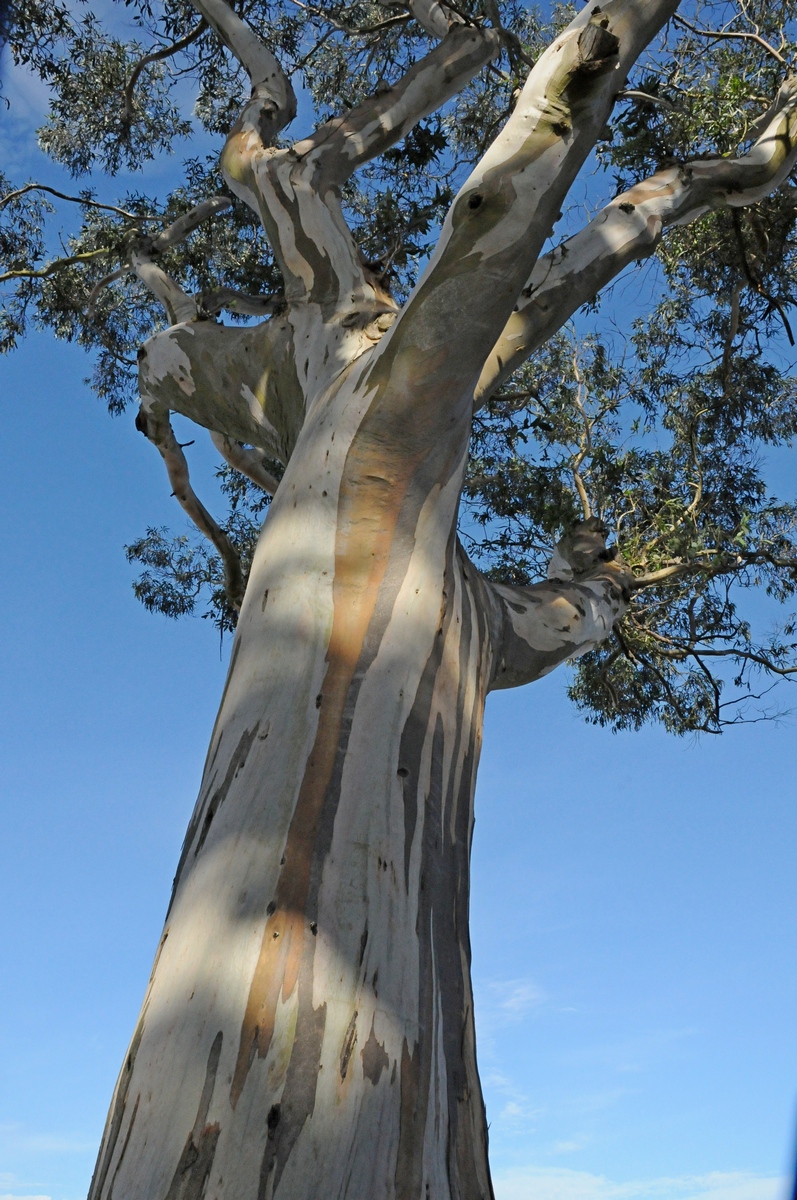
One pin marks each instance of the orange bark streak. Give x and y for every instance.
(372, 494)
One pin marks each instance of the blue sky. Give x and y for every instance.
(634, 897)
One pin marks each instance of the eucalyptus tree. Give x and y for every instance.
(402, 355)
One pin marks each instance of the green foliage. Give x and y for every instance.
(658, 426)
(666, 451)
(88, 128)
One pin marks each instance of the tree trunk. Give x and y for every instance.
(308, 1028)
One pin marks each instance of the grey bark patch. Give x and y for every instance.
(196, 1161)
(193, 824)
(298, 1097)
(413, 738)
(349, 1041)
(375, 1058)
(195, 1165)
(237, 760)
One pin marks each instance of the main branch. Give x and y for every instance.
(631, 226)
(575, 609)
(497, 225)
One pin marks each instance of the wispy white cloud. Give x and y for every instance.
(569, 1146)
(518, 996)
(9, 1196)
(516, 1109)
(16, 1136)
(505, 1001)
(546, 1183)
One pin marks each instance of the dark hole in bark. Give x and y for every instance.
(273, 1119)
(475, 201)
(402, 772)
(270, 908)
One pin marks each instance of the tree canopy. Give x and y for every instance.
(650, 410)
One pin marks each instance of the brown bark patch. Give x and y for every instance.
(375, 1058)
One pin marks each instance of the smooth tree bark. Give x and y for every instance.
(308, 1028)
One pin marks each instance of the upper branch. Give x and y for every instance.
(631, 226)
(497, 225)
(251, 51)
(273, 102)
(342, 145)
(435, 18)
(179, 305)
(296, 191)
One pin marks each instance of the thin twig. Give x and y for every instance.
(53, 266)
(41, 187)
(156, 56)
(352, 30)
(741, 36)
(755, 283)
(99, 287)
(158, 430)
(646, 98)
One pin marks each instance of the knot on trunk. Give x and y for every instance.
(583, 554)
(597, 46)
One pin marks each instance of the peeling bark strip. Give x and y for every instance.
(196, 1161)
(236, 764)
(309, 1023)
